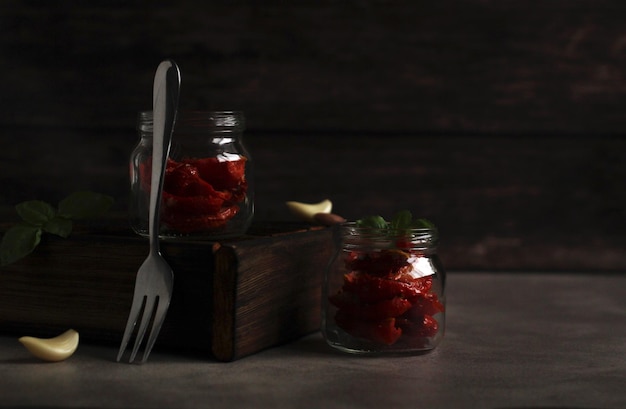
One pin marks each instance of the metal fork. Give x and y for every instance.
(155, 279)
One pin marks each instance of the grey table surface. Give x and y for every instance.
(513, 340)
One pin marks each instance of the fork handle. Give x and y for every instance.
(166, 91)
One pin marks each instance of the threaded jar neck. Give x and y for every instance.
(198, 121)
(354, 237)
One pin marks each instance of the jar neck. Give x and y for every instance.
(353, 237)
(232, 122)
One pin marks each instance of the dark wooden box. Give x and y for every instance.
(231, 298)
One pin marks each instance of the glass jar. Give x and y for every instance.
(208, 190)
(384, 292)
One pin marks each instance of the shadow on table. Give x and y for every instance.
(308, 346)
(315, 346)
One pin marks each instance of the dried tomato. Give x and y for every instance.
(383, 331)
(189, 223)
(183, 179)
(371, 288)
(426, 304)
(353, 307)
(199, 194)
(222, 174)
(421, 327)
(382, 300)
(191, 205)
(380, 263)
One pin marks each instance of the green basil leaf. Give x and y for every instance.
(18, 242)
(59, 226)
(35, 212)
(376, 222)
(401, 220)
(84, 205)
(423, 223)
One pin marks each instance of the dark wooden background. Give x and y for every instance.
(502, 121)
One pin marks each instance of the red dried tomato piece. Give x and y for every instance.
(183, 179)
(382, 332)
(425, 304)
(380, 263)
(239, 193)
(178, 178)
(188, 223)
(191, 205)
(422, 327)
(371, 288)
(404, 243)
(353, 307)
(191, 202)
(222, 174)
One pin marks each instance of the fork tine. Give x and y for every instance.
(135, 310)
(159, 317)
(146, 317)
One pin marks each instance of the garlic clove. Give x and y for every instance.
(52, 349)
(306, 211)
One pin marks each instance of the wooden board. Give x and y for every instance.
(231, 299)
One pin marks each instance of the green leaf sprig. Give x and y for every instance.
(40, 217)
(403, 220)
(398, 229)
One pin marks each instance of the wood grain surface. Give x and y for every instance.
(231, 299)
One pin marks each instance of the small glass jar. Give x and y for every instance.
(384, 292)
(208, 190)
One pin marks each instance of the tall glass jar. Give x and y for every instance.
(384, 291)
(208, 190)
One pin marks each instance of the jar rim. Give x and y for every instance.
(418, 238)
(354, 225)
(218, 120)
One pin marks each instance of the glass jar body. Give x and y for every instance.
(208, 190)
(384, 294)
